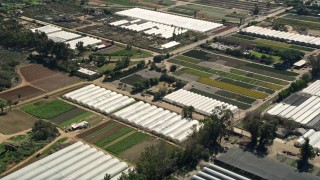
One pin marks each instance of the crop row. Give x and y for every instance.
(275, 82)
(188, 59)
(226, 75)
(113, 137)
(240, 105)
(246, 85)
(48, 110)
(106, 128)
(266, 68)
(235, 96)
(244, 37)
(233, 88)
(127, 142)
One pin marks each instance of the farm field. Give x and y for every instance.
(239, 104)
(15, 121)
(207, 12)
(26, 92)
(122, 52)
(303, 18)
(298, 22)
(45, 78)
(47, 110)
(275, 59)
(70, 117)
(117, 139)
(144, 3)
(133, 79)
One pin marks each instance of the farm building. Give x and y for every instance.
(77, 161)
(47, 29)
(282, 36)
(62, 36)
(213, 172)
(86, 73)
(313, 89)
(202, 104)
(300, 64)
(140, 114)
(169, 19)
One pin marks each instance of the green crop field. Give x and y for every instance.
(266, 68)
(244, 37)
(76, 119)
(233, 88)
(196, 71)
(133, 79)
(275, 59)
(240, 105)
(296, 22)
(113, 137)
(188, 59)
(48, 110)
(127, 142)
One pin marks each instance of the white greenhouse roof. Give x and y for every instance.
(255, 30)
(77, 161)
(47, 29)
(313, 89)
(86, 41)
(170, 19)
(300, 63)
(202, 104)
(214, 172)
(303, 113)
(64, 35)
(140, 114)
(314, 139)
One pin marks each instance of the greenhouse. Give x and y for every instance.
(202, 104)
(170, 19)
(313, 89)
(47, 29)
(86, 42)
(77, 161)
(139, 114)
(214, 172)
(314, 139)
(282, 36)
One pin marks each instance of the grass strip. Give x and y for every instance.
(113, 137)
(127, 142)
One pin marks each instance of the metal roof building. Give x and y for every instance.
(77, 161)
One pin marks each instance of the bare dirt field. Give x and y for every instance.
(45, 78)
(26, 92)
(55, 82)
(15, 121)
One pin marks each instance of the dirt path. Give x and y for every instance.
(4, 137)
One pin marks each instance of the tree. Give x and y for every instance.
(315, 65)
(173, 68)
(252, 123)
(306, 153)
(9, 103)
(255, 10)
(187, 112)
(19, 97)
(132, 175)
(44, 130)
(267, 134)
(223, 21)
(225, 117)
(80, 47)
(2, 106)
(107, 177)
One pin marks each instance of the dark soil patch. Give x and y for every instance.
(94, 129)
(67, 115)
(25, 92)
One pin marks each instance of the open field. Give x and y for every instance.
(69, 117)
(298, 23)
(228, 100)
(45, 78)
(131, 80)
(26, 92)
(15, 121)
(47, 110)
(118, 139)
(144, 3)
(207, 12)
(275, 59)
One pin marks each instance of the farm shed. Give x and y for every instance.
(47, 29)
(313, 89)
(170, 19)
(77, 161)
(139, 114)
(301, 108)
(86, 73)
(170, 44)
(282, 36)
(86, 42)
(202, 104)
(214, 172)
(300, 64)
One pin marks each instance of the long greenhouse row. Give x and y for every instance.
(77, 161)
(313, 89)
(214, 172)
(281, 35)
(58, 35)
(314, 139)
(202, 104)
(158, 120)
(302, 109)
(143, 115)
(170, 19)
